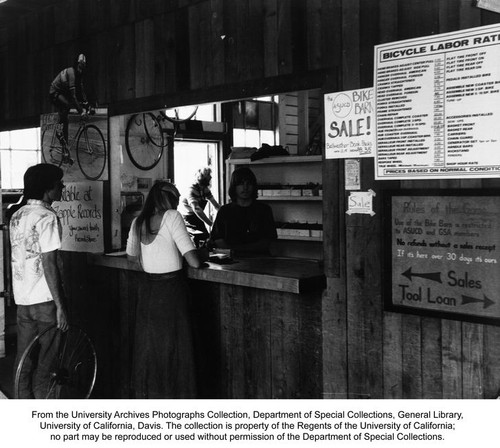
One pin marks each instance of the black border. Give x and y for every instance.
(387, 279)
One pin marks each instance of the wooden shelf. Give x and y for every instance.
(300, 238)
(291, 198)
(287, 171)
(278, 159)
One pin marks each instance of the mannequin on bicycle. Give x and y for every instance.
(66, 91)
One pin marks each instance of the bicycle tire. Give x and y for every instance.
(141, 151)
(179, 120)
(154, 130)
(67, 369)
(52, 151)
(91, 152)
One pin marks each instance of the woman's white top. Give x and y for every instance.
(164, 254)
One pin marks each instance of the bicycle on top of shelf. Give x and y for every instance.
(90, 148)
(146, 137)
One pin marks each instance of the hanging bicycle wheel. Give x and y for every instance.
(57, 365)
(144, 140)
(52, 151)
(153, 130)
(178, 115)
(91, 152)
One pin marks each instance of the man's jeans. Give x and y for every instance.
(31, 321)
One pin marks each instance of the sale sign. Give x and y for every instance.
(349, 129)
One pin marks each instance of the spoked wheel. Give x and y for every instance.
(180, 114)
(57, 365)
(154, 130)
(52, 150)
(91, 152)
(144, 140)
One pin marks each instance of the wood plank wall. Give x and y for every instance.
(142, 53)
(370, 352)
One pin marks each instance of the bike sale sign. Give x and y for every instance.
(444, 253)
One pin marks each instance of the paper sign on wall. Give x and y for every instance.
(438, 106)
(352, 170)
(491, 5)
(361, 202)
(81, 214)
(349, 129)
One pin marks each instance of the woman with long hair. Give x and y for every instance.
(163, 363)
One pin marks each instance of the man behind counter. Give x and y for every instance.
(244, 225)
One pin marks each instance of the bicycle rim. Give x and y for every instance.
(52, 151)
(91, 152)
(188, 114)
(153, 129)
(57, 365)
(142, 152)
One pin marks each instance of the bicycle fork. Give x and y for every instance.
(60, 155)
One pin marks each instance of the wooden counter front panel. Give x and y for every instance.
(250, 343)
(260, 344)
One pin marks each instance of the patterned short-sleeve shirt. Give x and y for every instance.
(34, 229)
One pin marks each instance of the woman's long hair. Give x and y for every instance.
(163, 196)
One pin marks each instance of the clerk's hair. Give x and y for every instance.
(163, 196)
(238, 177)
(40, 178)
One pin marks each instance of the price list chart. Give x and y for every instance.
(437, 106)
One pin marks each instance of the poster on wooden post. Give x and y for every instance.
(443, 253)
(349, 128)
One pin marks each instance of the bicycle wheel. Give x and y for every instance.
(178, 115)
(91, 152)
(153, 130)
(57, 365)
(141, 149)
(52, 150)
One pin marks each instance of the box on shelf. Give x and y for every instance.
(241, 152)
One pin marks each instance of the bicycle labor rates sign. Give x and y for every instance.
(443, 253)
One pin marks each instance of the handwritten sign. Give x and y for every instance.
(444, 255)
(438, 106)
(361, 202)
(81, 214)
(349, 130)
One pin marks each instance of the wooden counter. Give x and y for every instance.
(271, 273)
(257, 326)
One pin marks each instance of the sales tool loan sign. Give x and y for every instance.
(438, 106)
(446, 254)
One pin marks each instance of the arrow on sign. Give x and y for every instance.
(486, 302)
(435, 276)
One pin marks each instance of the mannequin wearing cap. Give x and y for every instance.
(67, 91)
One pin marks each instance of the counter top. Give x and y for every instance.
(293, 275)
